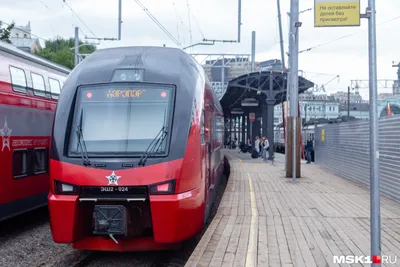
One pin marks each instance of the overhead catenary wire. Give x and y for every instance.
(275, 42)
(192, 17)
(159, 24)
(345, 36)
(73, 24)
(178, 17)
(177, 21)
(79, 18)
(196, 21)
(34, 35)
(319, 73)
(337, 39)
(276, 29)
(69, 20)
(190, 25)
(336, 77)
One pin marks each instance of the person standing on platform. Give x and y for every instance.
(249, 144)
(309, 148)
(265, 145)
(256, 149)
(262, 147)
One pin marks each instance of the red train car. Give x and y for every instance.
(29, 88)
(136, 152)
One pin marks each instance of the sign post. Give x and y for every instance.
(375, 224)
(340, 13)
(252, 118)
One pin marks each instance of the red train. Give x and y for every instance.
(29, 88)
(136, 152)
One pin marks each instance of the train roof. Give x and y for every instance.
(160, 64)
(100, 65)
(11, 49)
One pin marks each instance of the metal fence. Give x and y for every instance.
(344, 149)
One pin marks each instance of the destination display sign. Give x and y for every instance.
(125, 94)
(128, 93)
(336, 13)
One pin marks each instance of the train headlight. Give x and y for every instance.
(62, 188)
(164, 188)
(128, 75)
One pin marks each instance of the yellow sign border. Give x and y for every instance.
(337, 24)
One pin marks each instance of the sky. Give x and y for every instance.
(339, 51)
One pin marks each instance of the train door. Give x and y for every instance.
(207, 120)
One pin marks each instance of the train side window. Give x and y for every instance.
(38, 84)
(55, 88)
(202, 138)
(40, 160)
(18, 79)
(20, 163)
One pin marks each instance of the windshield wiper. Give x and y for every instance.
(154, 143)
(81, 142)
(156, 147)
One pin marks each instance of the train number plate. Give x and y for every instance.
(114, 189)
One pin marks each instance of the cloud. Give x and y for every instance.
(218, 19)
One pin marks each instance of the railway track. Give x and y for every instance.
(75, 258)
(24, 238)
(148, 259)
(57, 255)
(26, 241)
(175, 258)
(22, 223)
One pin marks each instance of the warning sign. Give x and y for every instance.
(336, 13)
(252, 117)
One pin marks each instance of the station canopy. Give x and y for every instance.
(245, 90)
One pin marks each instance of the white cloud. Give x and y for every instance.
(217, 19)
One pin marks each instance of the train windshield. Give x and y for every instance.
(120, 119)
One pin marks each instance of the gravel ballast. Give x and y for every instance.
(26, 241)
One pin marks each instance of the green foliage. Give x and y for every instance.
(6, 32)
(61, 51)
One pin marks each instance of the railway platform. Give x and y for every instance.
(265, 220)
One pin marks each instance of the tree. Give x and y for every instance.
(61, 51)
(6, 32)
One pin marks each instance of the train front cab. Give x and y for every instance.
(149, 207)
